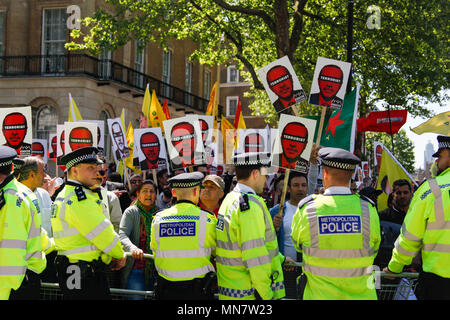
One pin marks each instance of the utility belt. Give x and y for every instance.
(87, 268)
(203, 286)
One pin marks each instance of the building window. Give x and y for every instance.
(139, 55)
(104, 115)
(166, 72)
(206, 85)
(53, 40)
(45, 118)
(188, 83)
(104, 66)
(232, 74)
(2, 31)
(232, 103)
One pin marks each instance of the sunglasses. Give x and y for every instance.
(102, 172)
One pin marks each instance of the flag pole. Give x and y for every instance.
(286, 176)
(390, 128)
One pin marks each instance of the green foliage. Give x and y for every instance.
(403, 64)
(403, 148)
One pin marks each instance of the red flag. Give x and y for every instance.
(239, 122)
(166, 109)
(378, 121)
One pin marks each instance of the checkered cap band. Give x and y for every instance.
(184, 184)
(338, 165)
(444, 145)
(81, 159)
(6, 163)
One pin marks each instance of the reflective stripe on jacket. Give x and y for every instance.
(80, 229)
(339, 236)
(247, 251)
(183, 239)
(20, 235)
(426, 228)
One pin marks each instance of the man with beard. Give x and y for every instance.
(15, 130)
(330, 82)
(120, 141)
(402, 197)
(184, 140)
(426, 230)
(280, 82)
(294, 138)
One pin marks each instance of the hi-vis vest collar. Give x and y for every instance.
(7, 180)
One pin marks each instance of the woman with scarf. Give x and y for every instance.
(134, 233)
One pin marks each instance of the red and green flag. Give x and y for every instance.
(339, 127)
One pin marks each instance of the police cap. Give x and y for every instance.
(81, 155)
(338, 158)
(7, 154)
(186, 180)
(443, 143)
(18, 163)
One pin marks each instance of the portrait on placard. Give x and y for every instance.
(293, 145)
(79, 135)
(329, 83)
(119, 141)
(149, 148)
(253, 140)
(365, 169)
(207, 129)
(100, 135)
(282, 84)
(52, 145)
(184, 142)
(378, 153)
(17, 131)
(39, 149)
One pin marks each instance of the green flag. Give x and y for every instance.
(339, 126)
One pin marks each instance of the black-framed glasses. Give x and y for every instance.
(102, 172)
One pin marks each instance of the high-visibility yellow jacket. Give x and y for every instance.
(20, 235)
(339, 236)
(80, 229)
(247, 250)
(426, 228)
(183, 239)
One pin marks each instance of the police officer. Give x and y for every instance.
(249, 265)
(426, 229)
(183, 239)
(84, 237)
(21, 243)
(338, 233)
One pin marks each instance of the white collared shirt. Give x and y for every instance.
(243, 188)
(337, 190)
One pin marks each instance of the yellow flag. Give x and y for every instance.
(213, 105)
(122, 118)
(74, 113)
(146, 104)
(390, 171)
(157, 115)
(438, 124)
(130, 141)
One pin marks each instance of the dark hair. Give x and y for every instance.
(6, 170)
(147, 181)
(115, 177)
(296, 174)
(160, 173)
(401, 182)
(244, 172)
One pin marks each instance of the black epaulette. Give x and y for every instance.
(2, 199)
(367, 199)
(81, 195)
(243, 202)
(305, 201)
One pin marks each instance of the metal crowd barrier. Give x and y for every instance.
(401, 287)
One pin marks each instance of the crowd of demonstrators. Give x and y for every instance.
(131, 208)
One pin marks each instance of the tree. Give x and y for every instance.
(403, 148)
(404, 63)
